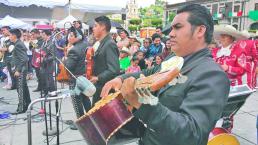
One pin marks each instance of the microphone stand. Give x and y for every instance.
(45, 114)
(55, 75)
(56, 103)
(56, 131)
(53, 131)
(29, 114)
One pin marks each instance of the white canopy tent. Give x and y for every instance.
(13, 23)
(98, 6)
(69, 19)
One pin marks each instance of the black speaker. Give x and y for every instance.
(123, 16)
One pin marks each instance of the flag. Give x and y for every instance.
(253, 15)
(240, 13)
(218, 15)
(235, 14)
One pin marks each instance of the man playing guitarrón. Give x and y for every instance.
(186, 112)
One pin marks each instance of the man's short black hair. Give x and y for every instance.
(78, 21)
(159, 28)
(6, 27)
(154, 36)
(36, 31)
(16, 32)
(77, 32)
(47, 32)
(104, 20)
(122, 30)
(199, 15)
(149, 39)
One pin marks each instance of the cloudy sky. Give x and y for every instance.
(144, 3)
(120, 3)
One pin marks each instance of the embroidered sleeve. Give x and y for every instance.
(239, 67)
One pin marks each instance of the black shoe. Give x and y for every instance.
(18, 112)
(36, 90)
(12, 88)
(68, 122)
(73, 127)
(3, 78)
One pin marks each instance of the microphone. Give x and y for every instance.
(57, 92)
(84, 86)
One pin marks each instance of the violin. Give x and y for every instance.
(89, 62)
(63, 75)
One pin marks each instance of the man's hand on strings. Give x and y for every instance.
(115, 84)
(129, 93)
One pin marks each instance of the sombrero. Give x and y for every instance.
(246, 33)
(256, 34)
(228, 30)
(125, 50)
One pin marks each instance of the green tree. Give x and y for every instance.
(156, 22)
(132, 28)
(171, 16)
(118, 21)
(159, 2)
(152, 16)
(147, 23)
(135, 21)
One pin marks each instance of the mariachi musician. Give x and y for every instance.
(250, 48)
(35, 46)
(230, 56)
(187, 111)
(6, 49)
(106, 57)
(20, 68)
(47, 65)
(75, 62)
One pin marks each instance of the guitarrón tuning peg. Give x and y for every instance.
(145, 96)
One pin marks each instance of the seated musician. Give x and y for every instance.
(186, 112)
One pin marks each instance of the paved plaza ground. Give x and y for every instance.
(13, 131)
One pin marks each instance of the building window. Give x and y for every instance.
(235, 20)
(221, 4)
(237, 2)
(221, 9)
(214, 9)
(256, 6)
(236, 8)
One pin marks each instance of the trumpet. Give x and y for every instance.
(34, 44)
